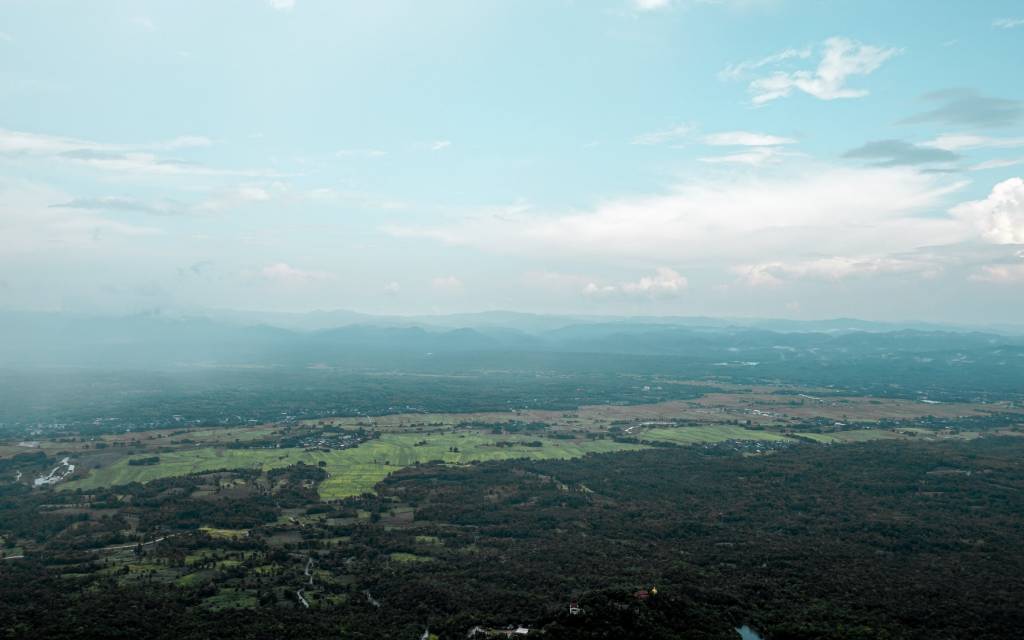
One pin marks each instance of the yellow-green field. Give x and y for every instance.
(351, 471)
(701, 435)
(355, 471)
(228, 534)
(854, 435)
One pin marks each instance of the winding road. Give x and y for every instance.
(136, 544)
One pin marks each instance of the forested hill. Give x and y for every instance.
(52, 365)
(154, 340)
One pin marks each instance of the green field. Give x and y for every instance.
(854, 435)
(701, 435)
(409, 557)
(351, 471)
(227, 534)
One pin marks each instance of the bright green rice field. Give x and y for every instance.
(355, 471)
(352, 471)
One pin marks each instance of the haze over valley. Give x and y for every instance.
(633, 319)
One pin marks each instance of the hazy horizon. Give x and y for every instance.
(741, 158)
(342, 317)
(470, 319)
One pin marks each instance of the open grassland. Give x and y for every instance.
(49, 447)
(184, 462)
(225, 534)
(706, 434)
(854, 435)
(761, 405)
(141, 440)
(229, 434)
(794, 405)
(757, 404)
(351, 471)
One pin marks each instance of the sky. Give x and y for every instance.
(764, 158)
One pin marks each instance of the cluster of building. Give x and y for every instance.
(60, 472)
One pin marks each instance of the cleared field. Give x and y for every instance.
(864, 435)
(180, 463)
(409, 557)
(228, 534)
(228, 434)
(757, 404)
(351, 471)
(825, 438)
(855, 435)
(352, 475)
(701, 435)
(842, 408)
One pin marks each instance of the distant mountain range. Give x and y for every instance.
(538, 323)
(229, 337)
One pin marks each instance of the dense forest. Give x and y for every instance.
(879, 540)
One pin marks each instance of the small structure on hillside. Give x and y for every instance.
(511, 631)
(574, 608)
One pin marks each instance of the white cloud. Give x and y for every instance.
(997, 163)
(29, 223)
(755, 157)
(665, 283)
(184, 142)
(22, 143)
(392, 288)
(144, 23)
(832, 268)
(6, 37)
(761, 148)
(651, 5)
(282, 272)
(658, 5)
(735, 71)
(249, 193)
(999, 217)
(1000, 274)
(361, 153)
(745, 139)
(594, 289)
(449, 284)
(438, 145)
(671, 134)
(354, 199)
(749, 219)
(220, 200)
(245, 194)
(134, 158)
(135, 163)
(26, 143)
(281, 5)
(960, 141)
(160, 207)
(1008, 23)
(841, 59)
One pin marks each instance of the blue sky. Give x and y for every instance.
(738, 157)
